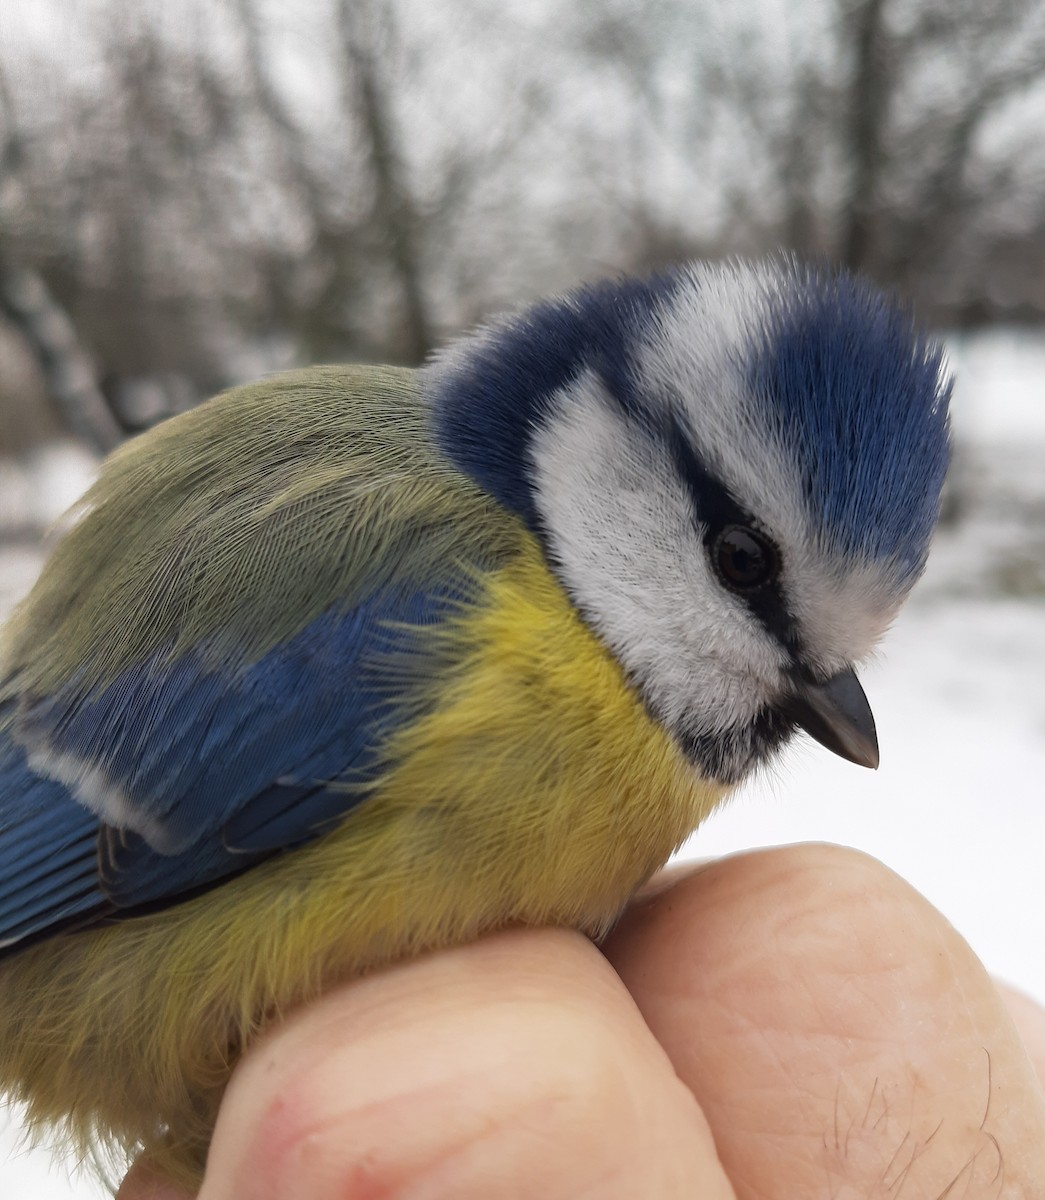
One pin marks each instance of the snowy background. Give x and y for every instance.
(958, 693)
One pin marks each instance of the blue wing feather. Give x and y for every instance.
(48, 851)
(228, 764)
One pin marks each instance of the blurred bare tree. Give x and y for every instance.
(354, 195)
(899, 137)
(195, 193)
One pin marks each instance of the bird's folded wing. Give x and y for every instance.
(179, 774)
(214, 651)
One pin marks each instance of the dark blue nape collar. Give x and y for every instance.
(490, 396)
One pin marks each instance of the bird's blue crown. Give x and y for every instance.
(860, 396)
(855, 392)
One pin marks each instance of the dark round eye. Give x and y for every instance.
(744, 559)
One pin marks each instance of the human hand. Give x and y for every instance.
(788, 1023)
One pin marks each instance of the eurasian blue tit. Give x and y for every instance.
(358, 662)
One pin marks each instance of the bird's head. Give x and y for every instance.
(735, 471)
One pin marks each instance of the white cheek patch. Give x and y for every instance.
(621, 527)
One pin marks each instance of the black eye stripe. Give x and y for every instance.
(716, 510)
(712, 502)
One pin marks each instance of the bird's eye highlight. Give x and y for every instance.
(744, 559)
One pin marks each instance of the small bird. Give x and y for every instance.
(358, 662)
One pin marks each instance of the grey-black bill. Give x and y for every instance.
(837, 714)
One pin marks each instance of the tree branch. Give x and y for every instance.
(394, 210)
(69, 375)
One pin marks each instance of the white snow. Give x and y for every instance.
(958, 805)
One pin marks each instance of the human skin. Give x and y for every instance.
(786, 1023)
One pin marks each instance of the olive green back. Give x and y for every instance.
(231, 527)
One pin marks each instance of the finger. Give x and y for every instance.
(142, 1183)
(839, 1035)
(516, 1067)
(1030, 1021)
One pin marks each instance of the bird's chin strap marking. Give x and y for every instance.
(728, 757)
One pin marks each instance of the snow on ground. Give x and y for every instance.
(958, 805)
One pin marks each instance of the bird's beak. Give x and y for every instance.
(837, 714)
